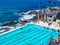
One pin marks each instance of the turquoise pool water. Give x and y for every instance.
(29, 35)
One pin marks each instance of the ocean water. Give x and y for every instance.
(7, 7)
(25, 5)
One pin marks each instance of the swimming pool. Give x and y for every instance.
(30, 34)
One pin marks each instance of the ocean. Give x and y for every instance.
(25, 5)
(7, 7)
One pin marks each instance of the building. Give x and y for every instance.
(58, 19)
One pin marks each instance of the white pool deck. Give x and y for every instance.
(41, 23)
(45, 24)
